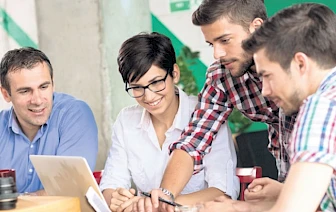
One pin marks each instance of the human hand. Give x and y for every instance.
(144, 204)
(153, 204)
(225, 204)
(263, 189)
(128, 205)
(122, 198)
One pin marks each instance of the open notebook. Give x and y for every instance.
(69, 176)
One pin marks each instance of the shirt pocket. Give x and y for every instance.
(196, 183)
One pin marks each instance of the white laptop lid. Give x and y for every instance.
(66, 176)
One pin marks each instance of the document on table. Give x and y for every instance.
(95, 201)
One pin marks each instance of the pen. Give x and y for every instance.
(161, 199)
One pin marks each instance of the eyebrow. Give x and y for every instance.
(149, 82)
(45, 83)
(261, 72)
(28, 88)
(219, 37)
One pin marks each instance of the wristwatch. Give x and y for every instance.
(168, 193)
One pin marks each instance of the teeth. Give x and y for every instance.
(155, 103)
(36, 111)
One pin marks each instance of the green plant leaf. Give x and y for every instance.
(185, 60)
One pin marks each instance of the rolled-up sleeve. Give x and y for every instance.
(210, 113)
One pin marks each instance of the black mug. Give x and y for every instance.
(8, 193)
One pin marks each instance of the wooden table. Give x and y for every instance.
(46, 203)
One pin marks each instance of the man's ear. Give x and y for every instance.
(53, 84)
(5, 94)
(255, 24)
(176, 74)
(301, 62)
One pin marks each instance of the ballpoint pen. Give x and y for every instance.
(161, 199)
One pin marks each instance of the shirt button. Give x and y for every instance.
(30, 170)
(31, 146)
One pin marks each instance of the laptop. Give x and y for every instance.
(68, 176)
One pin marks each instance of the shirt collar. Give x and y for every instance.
(331, 77)
(145, 120)
(179, 121)
(13, 122)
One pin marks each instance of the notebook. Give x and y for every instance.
(69, 176)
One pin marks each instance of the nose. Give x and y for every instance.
(219, 52)
(149, 95)
(36, 98)
(266, 89)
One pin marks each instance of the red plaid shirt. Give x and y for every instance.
(220, 94)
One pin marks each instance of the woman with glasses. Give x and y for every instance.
(142, 133)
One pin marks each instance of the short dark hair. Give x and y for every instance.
(241, 12)
(14, 60)
(138, 53)
(309, 28)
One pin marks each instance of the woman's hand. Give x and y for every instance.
(121, 199)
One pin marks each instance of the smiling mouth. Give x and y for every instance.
(155, 103)
(37, 110)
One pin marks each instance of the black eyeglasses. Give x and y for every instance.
(155, 86)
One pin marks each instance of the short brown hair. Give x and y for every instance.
(16, 59)
(309, 28)
(138, 53)
(241, 12)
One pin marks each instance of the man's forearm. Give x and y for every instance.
(208, 194)
(304, 187)
(178, 171)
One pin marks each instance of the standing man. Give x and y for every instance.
(295, 55)
(232, 82)
(41, 121)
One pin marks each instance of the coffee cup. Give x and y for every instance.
(8, 191)
(8, 173)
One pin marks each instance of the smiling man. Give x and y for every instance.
(41, 121)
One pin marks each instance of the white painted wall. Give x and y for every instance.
(82, 39)
(25, 17)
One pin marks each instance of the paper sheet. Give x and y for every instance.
(95, 201)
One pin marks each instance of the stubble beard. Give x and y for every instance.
(295, 104)
(243, 68)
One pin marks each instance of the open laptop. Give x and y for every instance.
(66, 176)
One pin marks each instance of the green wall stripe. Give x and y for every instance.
(198, 69)
(275, 5)
(15, 31)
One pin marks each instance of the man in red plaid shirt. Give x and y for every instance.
(231, 82)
